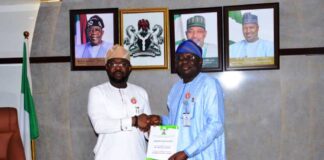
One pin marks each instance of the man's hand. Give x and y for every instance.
(155, 120)
(179, 156)
(143, 122)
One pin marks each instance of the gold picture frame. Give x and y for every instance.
(144, 33)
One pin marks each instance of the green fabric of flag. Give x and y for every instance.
(29, 105)
(236, 16)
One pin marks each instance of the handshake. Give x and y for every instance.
(144, 122)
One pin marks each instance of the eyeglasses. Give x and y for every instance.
(186, 58)
(118, 64)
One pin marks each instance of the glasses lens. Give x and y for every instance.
(186, 58)
(118, 64)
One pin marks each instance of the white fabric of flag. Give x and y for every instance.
(77, 31)
(178, 30)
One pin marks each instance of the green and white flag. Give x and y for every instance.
(77, 36)
(178, 30)
(28, 120)
(235, 24)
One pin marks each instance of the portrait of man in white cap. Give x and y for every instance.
(95, 47)
(252, 46)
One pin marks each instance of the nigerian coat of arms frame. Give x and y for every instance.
(144, 33)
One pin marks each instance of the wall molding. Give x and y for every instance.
(56, 59)
(65, 59)
(301, 51)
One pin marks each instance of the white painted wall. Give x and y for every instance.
(10, 85)
(15, 19)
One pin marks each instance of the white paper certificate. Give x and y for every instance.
(163, 142)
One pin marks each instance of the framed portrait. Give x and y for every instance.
(144, 34)
(251, 37)
(202, 25)
(92, 33)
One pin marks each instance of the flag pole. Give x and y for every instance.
(33, 144)
(33, 149)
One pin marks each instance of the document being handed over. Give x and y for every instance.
(163, 142)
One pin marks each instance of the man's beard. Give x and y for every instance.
(199, 43)
(115, 80)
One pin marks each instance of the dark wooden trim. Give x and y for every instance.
(10, 60)
(63, 59)
(57, 59)
(301, 51)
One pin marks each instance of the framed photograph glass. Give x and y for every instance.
(202, 25)
(251, 36)
(92, 33)
(144, 34)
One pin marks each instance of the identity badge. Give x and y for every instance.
(186, 119)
